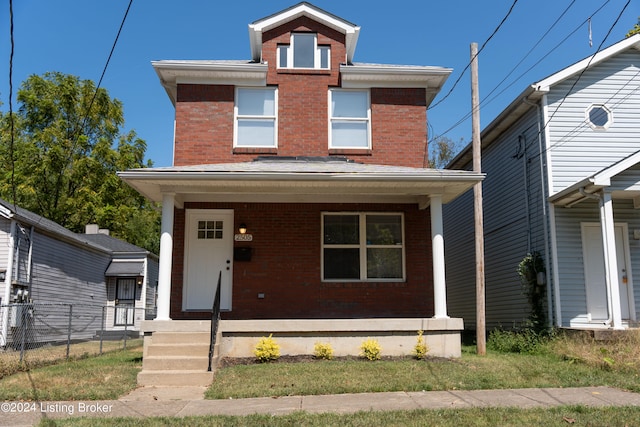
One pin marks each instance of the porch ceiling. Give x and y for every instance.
(300, 181)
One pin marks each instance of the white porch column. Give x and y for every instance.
(437, 249)
(166, 257)
(610, 259)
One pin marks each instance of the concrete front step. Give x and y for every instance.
(178, 350)
(175, 378)
(169, 363)
(181, 338)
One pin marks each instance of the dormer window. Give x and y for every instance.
(304, 52)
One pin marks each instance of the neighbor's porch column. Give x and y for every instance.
(437, 248)
(610, 259)
(166, 257)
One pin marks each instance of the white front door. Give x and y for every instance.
(208, 251)
(595, 275)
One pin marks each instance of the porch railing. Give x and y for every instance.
(215, 320)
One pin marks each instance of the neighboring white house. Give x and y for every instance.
(563, 180)
(43, 263)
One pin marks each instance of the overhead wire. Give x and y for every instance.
(562, 99)
(104, 70)
(11, 121)
(474, 57)
(488, 100)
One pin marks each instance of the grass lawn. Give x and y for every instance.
(471, 372)
(561, 362)
(93, 378)
(560, 416)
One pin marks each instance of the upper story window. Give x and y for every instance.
(599, 117)
(304, 52)
(255, 117)
(350, 119)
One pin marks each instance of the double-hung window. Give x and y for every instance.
(255, 117)
(304, 52)
(350, 119)
(362, 246)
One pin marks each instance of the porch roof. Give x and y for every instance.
(300, 179)
(587, 187)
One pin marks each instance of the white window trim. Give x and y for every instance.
(236, 116)
(317, 59)
(358, 119)
(362, 245)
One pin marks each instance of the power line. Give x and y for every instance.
(104, 70)
(488, 101)
(11, 123)
(479, 51)
(588, 64)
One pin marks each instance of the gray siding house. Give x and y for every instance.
(47, 265)
(563, 181)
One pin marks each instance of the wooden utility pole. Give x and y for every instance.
(481, 334)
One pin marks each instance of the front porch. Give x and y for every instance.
(341, 251)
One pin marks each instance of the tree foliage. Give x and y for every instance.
(67, 146)
(441, 151)
(635, 29)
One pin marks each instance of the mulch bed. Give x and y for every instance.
(226, 362)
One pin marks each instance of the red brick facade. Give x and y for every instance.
(285, 266)
(204, 113)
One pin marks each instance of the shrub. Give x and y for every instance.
(267, 349)
(420, 350)
(323, 351)
(370, 349)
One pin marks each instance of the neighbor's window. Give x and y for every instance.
(362, 246)
(304, 52)
(599, 117)
(350, 119)
(256, 121)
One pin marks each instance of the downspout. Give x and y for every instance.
(7, 283)
(543, 197)
(607, 283)
(525, 170)
(29, 262)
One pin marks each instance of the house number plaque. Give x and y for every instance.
(243, 237)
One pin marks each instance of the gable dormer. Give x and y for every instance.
(301, 43)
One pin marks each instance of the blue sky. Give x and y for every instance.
(75, 37)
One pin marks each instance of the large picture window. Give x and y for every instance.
(256, 121)
(362, 246)
(304, 52)
(349, 119)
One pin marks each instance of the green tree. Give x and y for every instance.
(441, 151)
(67, 146)
(635, 29)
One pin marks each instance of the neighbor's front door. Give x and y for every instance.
(125, 301)
(208, 251)
(595, 275)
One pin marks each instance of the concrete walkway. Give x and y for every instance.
(186, 401)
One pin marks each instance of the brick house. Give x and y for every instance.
(299, 176)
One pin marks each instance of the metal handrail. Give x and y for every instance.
(215, 320)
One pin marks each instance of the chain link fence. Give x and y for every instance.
(38, 334)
